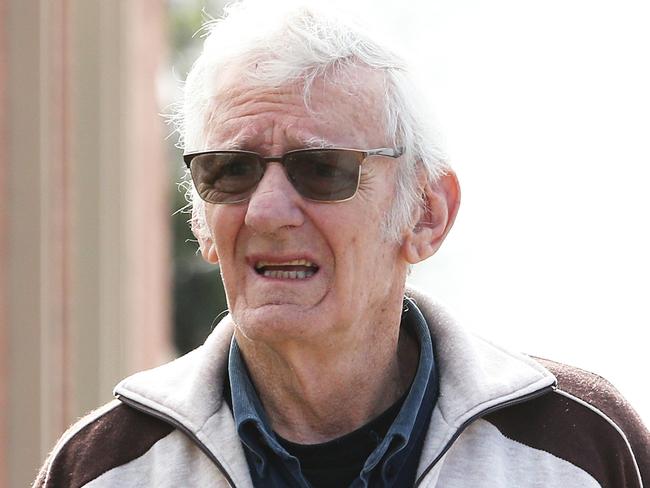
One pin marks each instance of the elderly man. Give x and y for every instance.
(316, 186)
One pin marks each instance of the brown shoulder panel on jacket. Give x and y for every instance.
(117, 437)
(572, 431)
(600, 393)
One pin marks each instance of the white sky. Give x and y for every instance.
(545, 110)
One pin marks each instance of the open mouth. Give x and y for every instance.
(297, 269)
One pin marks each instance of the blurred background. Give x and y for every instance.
(543, 107)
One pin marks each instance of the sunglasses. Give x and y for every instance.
(321, 175)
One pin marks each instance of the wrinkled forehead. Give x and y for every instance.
(351, 100)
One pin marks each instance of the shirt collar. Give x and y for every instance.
(252, 423)
(412, 417)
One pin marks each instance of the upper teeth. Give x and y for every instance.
(295, 262)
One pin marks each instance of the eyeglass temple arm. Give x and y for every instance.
(386, 151)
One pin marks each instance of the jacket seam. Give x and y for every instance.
(539, 449)
(612, 423)
(189, 430)
(460, 429)
(493, 402)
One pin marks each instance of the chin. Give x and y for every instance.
(281, 322)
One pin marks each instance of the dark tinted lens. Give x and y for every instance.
(225, 177)
(324, 174)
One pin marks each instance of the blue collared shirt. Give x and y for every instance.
(395, 459)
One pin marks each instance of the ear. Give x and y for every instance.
(202, 234)
(435, 217)
(208, 250)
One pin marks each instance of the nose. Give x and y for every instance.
(274, 204)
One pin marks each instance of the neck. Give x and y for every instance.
(318, 393)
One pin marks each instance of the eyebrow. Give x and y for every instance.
(316, 143)
(237, 143)
(240, 142)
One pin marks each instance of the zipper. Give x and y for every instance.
(177, 425)
(482, 413)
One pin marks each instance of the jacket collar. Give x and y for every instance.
(475, 376)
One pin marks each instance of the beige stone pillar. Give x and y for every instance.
(4, 261)
(83, 222)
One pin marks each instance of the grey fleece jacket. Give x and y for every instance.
(502, 420)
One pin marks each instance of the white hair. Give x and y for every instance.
(275, 43)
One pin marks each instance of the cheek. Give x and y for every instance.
(225, 224)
